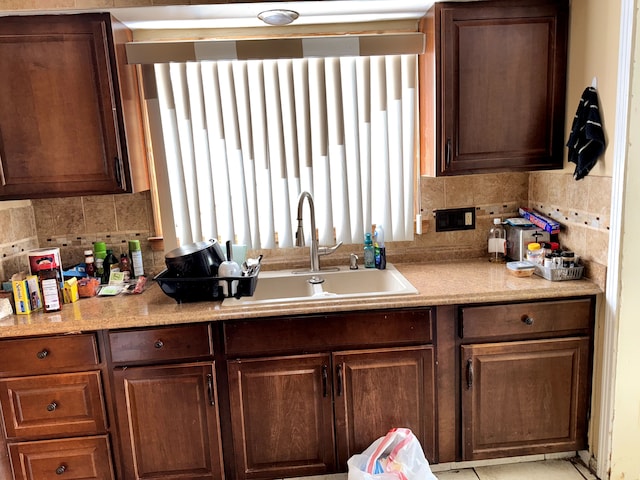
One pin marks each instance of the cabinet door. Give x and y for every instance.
(282, 416)
(521, 398)
(59, 117)
(168, 419)
(377, 390)
(500, 73)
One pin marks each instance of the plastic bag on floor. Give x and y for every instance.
(396, 456)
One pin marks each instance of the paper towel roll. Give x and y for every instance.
(45, 259)
(5, 308)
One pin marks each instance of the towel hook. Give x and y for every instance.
(594, 82)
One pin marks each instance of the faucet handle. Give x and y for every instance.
(328, 250)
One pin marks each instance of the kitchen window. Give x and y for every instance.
(236, 141)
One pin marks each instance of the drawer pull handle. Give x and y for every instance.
(210, 389)
(527, 320)
(43, 354)
(52, 406)
(325, 376)
(159, 344)
(339, 368)
(469, 373)
(61, 469)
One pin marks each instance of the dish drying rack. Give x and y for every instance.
(186, 290)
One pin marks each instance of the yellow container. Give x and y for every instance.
(26, 293)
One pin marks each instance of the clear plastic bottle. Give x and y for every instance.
(369, 252)
(535, 253)
(497, 242)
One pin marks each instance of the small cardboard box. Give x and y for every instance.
(26, 293)
(545, 223)
(70, 290)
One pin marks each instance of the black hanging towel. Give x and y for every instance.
(586, 140)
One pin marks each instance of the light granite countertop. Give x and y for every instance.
(444, 283)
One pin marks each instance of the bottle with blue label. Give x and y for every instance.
(369, 253)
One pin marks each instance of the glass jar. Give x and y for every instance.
(568, 259)
(535, 253)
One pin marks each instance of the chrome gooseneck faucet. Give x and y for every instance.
(315, 251)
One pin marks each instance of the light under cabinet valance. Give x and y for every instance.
(408, 43)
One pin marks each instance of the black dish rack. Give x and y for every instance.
(202, 289)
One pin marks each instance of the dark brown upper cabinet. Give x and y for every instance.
(493, 86)
(70, 114)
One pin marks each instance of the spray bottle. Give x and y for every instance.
(380, 250)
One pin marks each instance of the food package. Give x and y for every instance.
(26, 293)
(88, 287)
(70, 290)
(539, 220)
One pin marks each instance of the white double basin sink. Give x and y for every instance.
(286, 286)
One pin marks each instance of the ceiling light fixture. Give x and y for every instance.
(278, 17)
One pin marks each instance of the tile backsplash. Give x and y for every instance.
(17, 235)
(73, 224)
(582, 208)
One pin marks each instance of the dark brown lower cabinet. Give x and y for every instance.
(524, 397)
(168, 421)
(307, 414)
(282, 416)
(382, 389)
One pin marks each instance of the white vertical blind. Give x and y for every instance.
(243, 139)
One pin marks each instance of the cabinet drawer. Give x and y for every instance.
(33, 356)
(62, 404)
(84, 458)
(161, 344)
(329, 332)
(527, 320)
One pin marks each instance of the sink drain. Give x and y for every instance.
(315, 280)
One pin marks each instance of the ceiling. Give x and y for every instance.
(243, 15)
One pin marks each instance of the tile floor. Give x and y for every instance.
(554, 469)
(540, 470)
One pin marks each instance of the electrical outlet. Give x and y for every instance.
(468, 218)
(451, 219)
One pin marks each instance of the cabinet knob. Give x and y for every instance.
(52, 406)
(527, 320)
(61, 469)
(42, 354)
(159, 344)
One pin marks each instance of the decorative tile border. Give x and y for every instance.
(568, 216)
